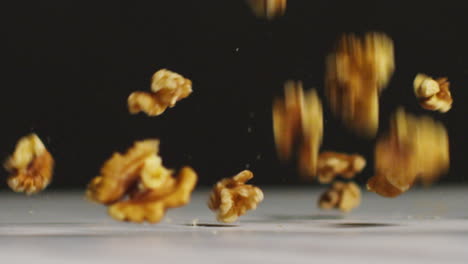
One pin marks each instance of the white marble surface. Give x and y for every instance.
(422, 226)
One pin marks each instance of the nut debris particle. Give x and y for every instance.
(31, 166)
(415, 149)
(356, 72)
(298, 120)
(433, 94)
(231, 197)
(138, 188)
(268, 9)
(332, 164)
(342, 196)
(167, 88)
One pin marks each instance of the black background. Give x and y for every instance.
(68, 67)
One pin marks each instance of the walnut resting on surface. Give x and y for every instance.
(433, 94)
(342, 196)
(415, 149)
(231, 197)
(356, 72)
(137, 187)
(298, 119)
(332, 164)
(268, 9)
(167, 88)
(31, 166)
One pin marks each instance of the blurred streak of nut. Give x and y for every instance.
(137, 187)
(331, 164)
(433, 94)
(415, 149)
(342, 196)
(31, 166)
(356, 72)
(231, 197)
(298, 120)
(167, 88)
(268, 9)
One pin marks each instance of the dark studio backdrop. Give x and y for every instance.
(68, 67)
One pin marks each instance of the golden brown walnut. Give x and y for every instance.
(231, 197)
(415, 149)
(167, 88)
(31, 166)
(146, 102)
(268, 9)
(298, 119)
(311, 134)
(356, 72)
(379, 184)
(151, 204)
(433, 94)
(331, 164)
(138, 187)
(342, 196)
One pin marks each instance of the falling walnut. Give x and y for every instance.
(231, 197)
(331, 164)
(433, 94)
(342, 196)
(415, 149)
(31, 166)
(137, 187)
(167, 88)
(298, 120)
(268, 9)
(356, 72)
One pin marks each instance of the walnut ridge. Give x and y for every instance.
(31, 166)
(231, 197)
(137, 187)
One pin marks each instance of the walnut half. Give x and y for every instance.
(167, 88)
(231, 197)
(433, 94)
(415, 149)
(31, 166)
(268, 9)
(332, 164)
(298, 119)
(342, 196)
(138, 187)
(356, 72)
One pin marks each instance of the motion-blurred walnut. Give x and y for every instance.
(332, 164)
(298, 119)
(31, 166)
(342, 196)
(268, 9)
(433, 94)
(356, 72)
(231, 197)
(138, 187)
(415, 149)
(167, 89)
(379, 184)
